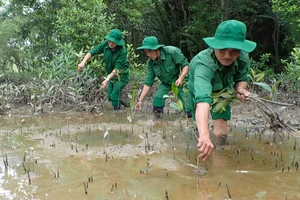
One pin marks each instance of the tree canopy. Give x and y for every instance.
(36, 31)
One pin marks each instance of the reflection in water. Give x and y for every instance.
(74, 158)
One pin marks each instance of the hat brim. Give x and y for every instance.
(150, 47)
(245, 45)
(118, 42)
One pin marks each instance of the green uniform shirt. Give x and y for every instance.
(116, 59)
(168, 68)
(207, 75)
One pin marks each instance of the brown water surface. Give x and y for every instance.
(116, 158)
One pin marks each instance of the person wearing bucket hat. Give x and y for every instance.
(224, 65)
(116, 64)
(165, 63)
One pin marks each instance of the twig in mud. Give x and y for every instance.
(5, 161)
(293, 160)
(29, 179)
(147, 166)
(276, 158)
(198, 172)
(164, 136)
(239, 155)
(229, 195)
(112, 188)
(167, 195)
(174, 150)
(85, 186)
(251, 152)
(151, 126)
(180, 123)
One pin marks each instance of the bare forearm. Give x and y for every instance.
(184, 72)
(111, 75)
(241, 85)
(145, 91)
(86, 58)
(202, 116)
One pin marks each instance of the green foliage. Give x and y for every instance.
(83, 23)
(288, 9)
(293, 70)
(262, 63)
(41, 42)
(178, 105)
(221, 99)
(137, 69)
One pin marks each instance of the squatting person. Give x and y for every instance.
(116, 64)
(225, 64)
(169, 65)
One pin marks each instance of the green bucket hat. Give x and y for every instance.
(231, 34)
(115, 35)
(150, 42)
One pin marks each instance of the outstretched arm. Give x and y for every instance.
(180, 79)
(85, 59)
(145, 91)
(205, 146)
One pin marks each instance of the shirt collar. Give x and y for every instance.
(162, 57)
(162, 54)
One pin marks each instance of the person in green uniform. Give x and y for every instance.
(116, 64)
(169, 65)
(225, 64)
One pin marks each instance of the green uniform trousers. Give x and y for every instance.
(115, 87)
(226, 114)
(164, 89)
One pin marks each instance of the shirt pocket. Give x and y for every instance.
(169, 67)
(157, 70)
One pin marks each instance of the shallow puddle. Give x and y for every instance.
(114, 156)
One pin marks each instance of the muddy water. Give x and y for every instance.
(121, 156)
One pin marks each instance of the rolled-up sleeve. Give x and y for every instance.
(150, 75)
(202, 84)
(179, 58)
(202, 76)
(97, 49)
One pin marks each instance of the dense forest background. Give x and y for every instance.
(42, 41)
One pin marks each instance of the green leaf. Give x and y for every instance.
(175, 89)
(259, 77)
(264, 86)
(226, 95)
(220, 106)
(215, 100)
(180, 105)
(174, 106)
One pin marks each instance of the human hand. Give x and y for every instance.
(138, 105)
(242, 94)
(104, 83)
(205, 146)
(178, 82)
(80, 66)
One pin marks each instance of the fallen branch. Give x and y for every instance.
(273, 118)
